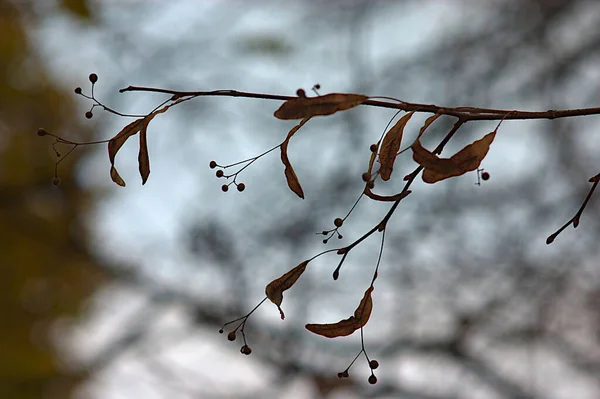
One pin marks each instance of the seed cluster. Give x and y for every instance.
(373, 364)
(220, 173)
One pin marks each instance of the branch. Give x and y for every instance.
(463, 113)
(404, 193)
(387, 149)
(575, 219)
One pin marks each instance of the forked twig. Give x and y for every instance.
(575, 220)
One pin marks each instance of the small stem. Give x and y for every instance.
(575, 219)
(463, 113)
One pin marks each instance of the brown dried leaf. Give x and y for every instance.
(275, 288)
(428, 122)
(291, 178)
(306, 107)
(290, 175)
(372, 160)
(386, 198)
(363, 312)
(346, 327)
(436, 168)
(115, 144)
(391, 145)
(114, 175)
(467, 159)
(143, 158)
(470, 157)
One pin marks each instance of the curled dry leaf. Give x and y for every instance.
(114, 175)
(391, 145)
(428, 122)
(290, 174)
(467, 159)
(348, 326)
(143, 157)
(372, 159)
(115, 144)
(386, 198)
(275, 288)
(306, 107)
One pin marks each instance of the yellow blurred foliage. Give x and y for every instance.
(46, 269)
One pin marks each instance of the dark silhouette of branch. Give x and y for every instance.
(300, 107)
(463, 113)
(575, 220)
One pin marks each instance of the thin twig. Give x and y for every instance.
(463, 113)
(383, 223)
(575, 219)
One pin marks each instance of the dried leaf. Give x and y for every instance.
(386, 198)
(114, 175)
(295, 129)
(433, 164)
(391, 145)
(115, 144)
(467, 159)
(428, 122)
(348, 326)
(363, 312)
(290, 175)
(372, 160)
(291, 178)
(470, 157)
(143, 158)
(306, 107)
(275, 288)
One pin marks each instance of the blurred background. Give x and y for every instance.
(110, 292)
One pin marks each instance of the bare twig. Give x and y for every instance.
(463, 113)
(575, 219)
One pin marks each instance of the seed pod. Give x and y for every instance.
(93, 78)
(246, 350)
(338, 222)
